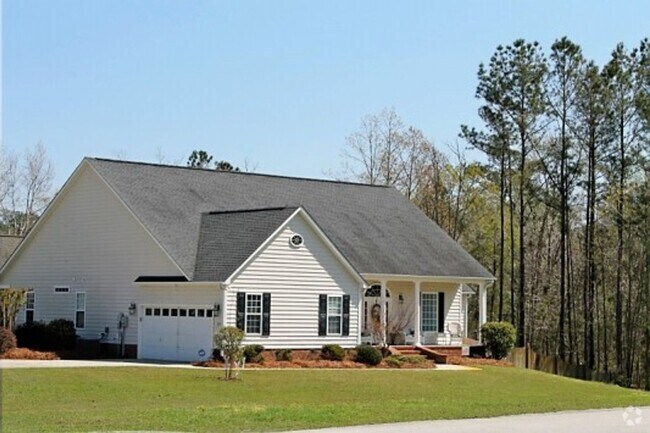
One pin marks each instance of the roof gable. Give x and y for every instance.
(377, 229)
(228, 238)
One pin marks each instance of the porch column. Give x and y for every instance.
(482, 308)
(382, 299)
(416, 316)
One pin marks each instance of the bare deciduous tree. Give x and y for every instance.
(26, 188)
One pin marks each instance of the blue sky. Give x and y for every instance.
(279, 83)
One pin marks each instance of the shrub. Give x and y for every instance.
(228, 340)
(393, 361)
(368, 355)
(283, 355)
(499, 338)
(31, 335)
(332, 352)
(412, 359)
(60, 335)
(253, 353)
(7, 340)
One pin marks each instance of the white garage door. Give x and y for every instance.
(176, 333)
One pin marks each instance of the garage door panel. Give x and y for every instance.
(176, 333)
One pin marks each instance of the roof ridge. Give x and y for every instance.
(261, 209)
(243, 173)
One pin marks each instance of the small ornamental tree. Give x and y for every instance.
(499, 338)
(10, 302)
(228, 340)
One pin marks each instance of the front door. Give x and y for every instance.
(429, 317)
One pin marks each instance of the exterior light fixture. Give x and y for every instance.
(217, 309)
(132, 308)
(401, 299)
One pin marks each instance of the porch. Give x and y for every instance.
(420, 311)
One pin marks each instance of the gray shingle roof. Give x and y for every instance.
(228, 238)
(376, 228)
(7, 246)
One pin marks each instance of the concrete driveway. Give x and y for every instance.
(631, 420)
(66, 363)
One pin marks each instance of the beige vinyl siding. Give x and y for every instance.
(296, 277)
(89, 242)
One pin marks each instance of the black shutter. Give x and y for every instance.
(441, 312)
(346, 316)
(266, 313)
(241, 310)
(322, 315)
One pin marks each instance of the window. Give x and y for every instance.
(253, 313)
(374, 291)
(334, 313)
(29, 308)
(80, 311)
(61, 289)
(429, 312)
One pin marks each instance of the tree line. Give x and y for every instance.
(560, 212)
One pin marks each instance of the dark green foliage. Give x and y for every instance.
(499, 338)
(283, 355)
(332, 352)
(369, 355)
(31, 335)
(59, 334)
(7, 340)
(253, 353)
(199, 159)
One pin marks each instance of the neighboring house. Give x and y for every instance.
(158, 257)
(8, 244)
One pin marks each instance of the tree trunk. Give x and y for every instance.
(502, 237)
(521, 319)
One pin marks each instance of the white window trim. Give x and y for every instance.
(334, 315)
(61, 287)
(77, 310)
(253, 314)
(437, 297)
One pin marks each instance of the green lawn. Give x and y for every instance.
(101, 399)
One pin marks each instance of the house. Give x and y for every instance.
(155, 258)
(8, 244)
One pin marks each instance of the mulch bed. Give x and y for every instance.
(311, 359)
(23, 353)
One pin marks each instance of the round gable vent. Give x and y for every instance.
(296, 240)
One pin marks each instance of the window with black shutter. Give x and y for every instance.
(266, 314)
(322, 315)
(241, 311)
(441, 312)
(346, 316)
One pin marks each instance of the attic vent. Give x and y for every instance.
(296, 240)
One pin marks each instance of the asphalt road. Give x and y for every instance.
(635, 420)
